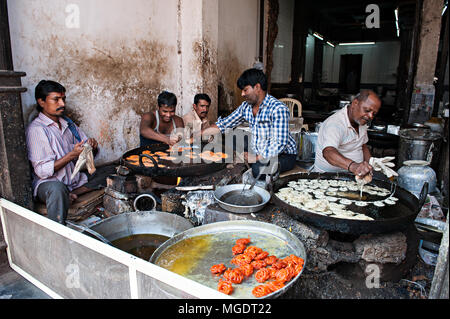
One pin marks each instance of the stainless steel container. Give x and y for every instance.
(307, 146)
(419, 144)
(414, 174)
(136, 223)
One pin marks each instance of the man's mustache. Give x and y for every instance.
(60, 108)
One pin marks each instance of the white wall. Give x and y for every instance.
(117, 62)
(238, 46)
(380, 62)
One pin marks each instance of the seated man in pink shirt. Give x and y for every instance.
(54, 144)
(341, 144)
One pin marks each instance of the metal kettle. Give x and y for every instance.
(414, 174)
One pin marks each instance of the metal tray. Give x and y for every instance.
(199, 248)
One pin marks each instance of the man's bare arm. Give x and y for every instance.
(366, 153)
(335, 158)
(147, 121)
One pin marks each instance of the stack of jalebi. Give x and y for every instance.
(271, 270)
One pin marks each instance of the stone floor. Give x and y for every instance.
(14, 286)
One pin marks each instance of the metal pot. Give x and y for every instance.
(137, 223)
(419, 144)
(230, 189)
(414, 174)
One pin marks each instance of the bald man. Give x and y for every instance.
(342, 142)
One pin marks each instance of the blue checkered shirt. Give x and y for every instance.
(270, 127)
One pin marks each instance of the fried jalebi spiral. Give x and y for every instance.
(262, 255)
(258, 264)
(273, 272)
(275, 285)
(241, 259)
(238, 249)
(283, 275)
(291, 271)
(234, 275)
(218, 269)
(270, 260)
(262, 275)
(298, 269)
(253, 251)
(294, 260)
(279, 264)
(243, 241)
(247, 270)
(261, 291)
(225, 287)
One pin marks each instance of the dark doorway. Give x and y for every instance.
(350, 73)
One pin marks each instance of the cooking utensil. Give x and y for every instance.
(226, 191)
(145, 222)
(171, 169)
(387, 219)
(248, 192)
(90, 231)
(213, 243)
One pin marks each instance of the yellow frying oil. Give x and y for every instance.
(182, 257)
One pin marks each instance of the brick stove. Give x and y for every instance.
(338, 265)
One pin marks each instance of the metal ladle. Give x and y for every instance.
(90, 231)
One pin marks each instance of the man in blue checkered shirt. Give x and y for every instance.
(268, 119)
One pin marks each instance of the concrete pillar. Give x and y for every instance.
(197, 52)
(15, 177)
(423, 94)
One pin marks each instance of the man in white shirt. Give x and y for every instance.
(341, 144)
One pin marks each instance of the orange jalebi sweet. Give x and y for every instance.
(275, 285)
(295, 260)
(262, 275)
(258, 264)
(238, 249)
(241, 259)
(225, 287)
(279, 264)
(253, 251)
(247, 270)
(271, 260)
(243, 241)
(283, 275)
(262, 255)
(234, 275)
(218, 269)
(273, 272)
(261, 291)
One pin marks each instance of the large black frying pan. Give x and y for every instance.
(387, 219)
(170, 169)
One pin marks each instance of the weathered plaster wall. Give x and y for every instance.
(114, 65)
(238, 47)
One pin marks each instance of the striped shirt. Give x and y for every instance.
(47, 143)
(270, 127)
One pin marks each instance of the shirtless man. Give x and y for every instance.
(161, 125)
